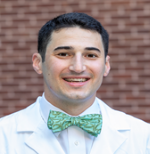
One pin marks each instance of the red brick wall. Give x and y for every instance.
(127, 87)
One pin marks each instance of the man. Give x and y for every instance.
(68, 118)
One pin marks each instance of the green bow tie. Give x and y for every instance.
(91, 123)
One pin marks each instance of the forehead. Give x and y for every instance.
(73, 33)
(75, 37)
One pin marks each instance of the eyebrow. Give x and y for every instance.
(69, 47)
(92, 48)
(63, 47)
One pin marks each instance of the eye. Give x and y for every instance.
(91, 55)
(63, 54)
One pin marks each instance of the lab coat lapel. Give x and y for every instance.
(40, 138)
(108, 141)
(114, 131)
(43, 141)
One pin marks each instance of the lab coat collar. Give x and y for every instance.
(41, 140)
(114, 130)
(113, 134)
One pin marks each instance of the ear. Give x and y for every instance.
(107, 66)
(37, 62)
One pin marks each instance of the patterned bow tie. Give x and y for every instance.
(91, 123)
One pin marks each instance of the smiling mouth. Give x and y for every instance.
(76, 79)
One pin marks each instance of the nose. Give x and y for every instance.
(77, 64)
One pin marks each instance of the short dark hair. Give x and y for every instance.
(81, 20)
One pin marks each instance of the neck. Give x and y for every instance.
(71, 107)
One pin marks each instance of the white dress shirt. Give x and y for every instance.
(73, 140)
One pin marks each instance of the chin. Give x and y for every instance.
(78, 97)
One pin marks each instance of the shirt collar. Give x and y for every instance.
(47, 106)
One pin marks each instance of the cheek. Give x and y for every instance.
(98, 69)
(56, 67)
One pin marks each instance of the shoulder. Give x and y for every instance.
(121, 119)
(136, 130)
(11, 121)
(23, 116)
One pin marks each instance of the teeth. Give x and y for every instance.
(76, 80)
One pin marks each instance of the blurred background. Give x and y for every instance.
(127, 87)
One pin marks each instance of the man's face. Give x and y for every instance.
(74, 64)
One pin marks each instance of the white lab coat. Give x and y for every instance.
(25, 132)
